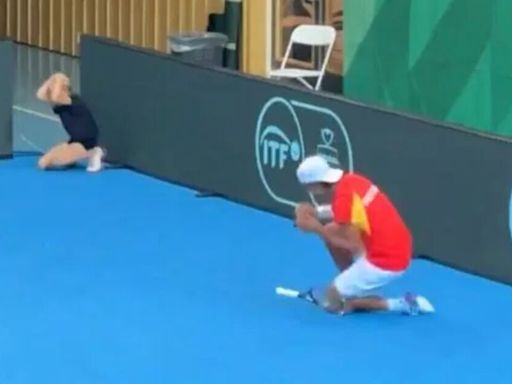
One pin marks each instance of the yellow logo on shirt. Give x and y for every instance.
(358, 216)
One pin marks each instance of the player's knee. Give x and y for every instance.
(346, 287)
(334, 300)
(338, 285)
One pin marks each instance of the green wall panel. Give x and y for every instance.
(449, 60)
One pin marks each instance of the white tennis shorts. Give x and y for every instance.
(362, 277)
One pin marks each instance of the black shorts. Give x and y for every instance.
(86, 143)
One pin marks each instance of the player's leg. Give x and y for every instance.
(408, 304)
(63, 155)
(351, 292)
(342, 257)
(367, 304)
(46, 160)
(362, 280)
(338, 303)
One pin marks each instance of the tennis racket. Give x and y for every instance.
(306, 295)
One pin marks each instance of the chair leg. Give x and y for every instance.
(304, 82)
(319, 83)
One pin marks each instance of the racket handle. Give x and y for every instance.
(287, 292)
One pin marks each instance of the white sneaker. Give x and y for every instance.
(96, 160)
(417, 305)
(424, 305)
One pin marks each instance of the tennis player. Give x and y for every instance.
(365, 235)
(78, 123)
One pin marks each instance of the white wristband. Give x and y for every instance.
(324, 212)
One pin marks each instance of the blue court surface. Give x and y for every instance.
(120, 278)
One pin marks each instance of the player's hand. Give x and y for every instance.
(304, 209)
(307, 222)
(305, 217)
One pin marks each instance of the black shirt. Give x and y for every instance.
(77, 120)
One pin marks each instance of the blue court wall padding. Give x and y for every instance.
(243, 137)
(6, 96)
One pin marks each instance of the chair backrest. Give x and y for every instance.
(312, 35)
(315, 35)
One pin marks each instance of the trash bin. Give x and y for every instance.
(200, 48)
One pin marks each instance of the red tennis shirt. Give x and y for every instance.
(387, 239)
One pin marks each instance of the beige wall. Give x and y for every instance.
(255, 37)
(57, 24)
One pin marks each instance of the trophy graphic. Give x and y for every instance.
(326, 148)
(286, 132)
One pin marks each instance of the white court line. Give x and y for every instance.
(31, 144)
(35, 113)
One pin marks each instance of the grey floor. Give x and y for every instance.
(36, 128)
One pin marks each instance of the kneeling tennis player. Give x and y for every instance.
(365, 235)
(78, 123)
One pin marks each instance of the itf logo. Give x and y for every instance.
(277, 147)
(287, 132)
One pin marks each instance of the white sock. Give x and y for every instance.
(396, 305)
(95, 161)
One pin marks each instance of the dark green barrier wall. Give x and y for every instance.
(6, 96)
(243, 137)
(446, 59)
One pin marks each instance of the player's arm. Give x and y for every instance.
(54, 90)
(342, 232)
(346, 236)
(43, 93)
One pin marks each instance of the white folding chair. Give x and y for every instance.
(310, 35)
